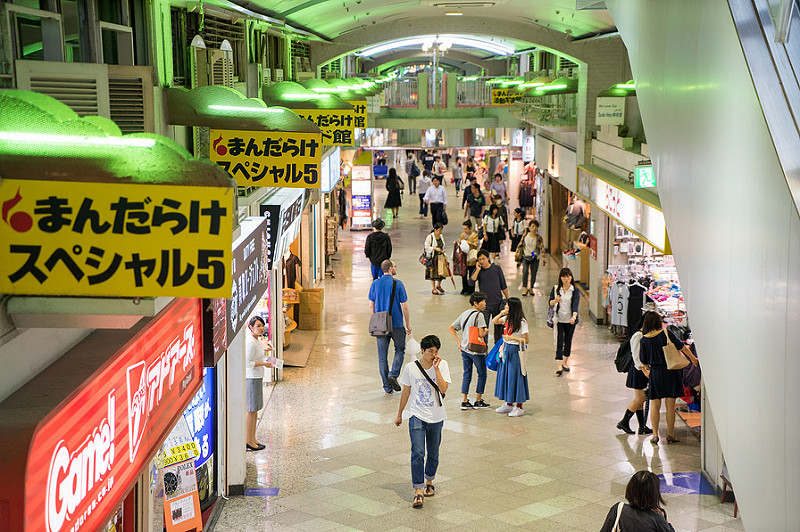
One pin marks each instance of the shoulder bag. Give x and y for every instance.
(439, 394)
(674, 358)
(551, 311)
(493, 358)
(424, 259)
(444, 217)
(476, 344)
(624, 358)
(380, 323)
(616, 521)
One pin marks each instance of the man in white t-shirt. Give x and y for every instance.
(424, 382)
(473, 317)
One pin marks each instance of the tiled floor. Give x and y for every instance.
(341, 464)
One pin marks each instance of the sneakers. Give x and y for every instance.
(394, 383)
(516, 412)
(480, 404)
(504, 409)
(466, 405)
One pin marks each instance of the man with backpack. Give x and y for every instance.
(378, 247)
(412, 172)
(472, 324)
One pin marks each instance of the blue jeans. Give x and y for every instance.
(480, 366)
(398, 337)
(376, 271)
(424, 436)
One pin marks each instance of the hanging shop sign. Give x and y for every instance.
(336, 125)
(639, 217)
(529, 149)
(268, 158)
(360, 108)
(518, 137)
(505, 96)
(644, 177)
(331, 170)
(109, 239)
(86, 454)
(610, 111)
(283, 213)
(250, 269)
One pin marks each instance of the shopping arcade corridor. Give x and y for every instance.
(340, 464)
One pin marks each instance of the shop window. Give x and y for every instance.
(76, 31)
(113, 11)
(36, 33)
(117, 44)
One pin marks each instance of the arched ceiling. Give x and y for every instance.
(453, 57)
(333, 19)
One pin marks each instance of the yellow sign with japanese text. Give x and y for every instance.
(360, 110)
(268, 158)
(115, 239)
(337, 125)
(505, 96)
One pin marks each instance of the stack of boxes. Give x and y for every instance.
(311, 300)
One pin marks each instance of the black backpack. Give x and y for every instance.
(624, 358)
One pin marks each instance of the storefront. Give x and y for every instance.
(80, 456)
(559, 169)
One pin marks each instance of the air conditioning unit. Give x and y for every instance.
(278, 75)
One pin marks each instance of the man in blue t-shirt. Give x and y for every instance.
(380, 293)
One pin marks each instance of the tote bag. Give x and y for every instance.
(675, 359)
(493, 358)
(551, 311)
(475, 344)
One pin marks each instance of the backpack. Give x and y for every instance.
(414, 170)
(624, 358)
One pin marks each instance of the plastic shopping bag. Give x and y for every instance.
(493, 358)
(413, 347)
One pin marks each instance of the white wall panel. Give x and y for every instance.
(735, 234)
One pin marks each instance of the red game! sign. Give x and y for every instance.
(86, 454)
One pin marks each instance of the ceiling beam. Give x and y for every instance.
(493, 68)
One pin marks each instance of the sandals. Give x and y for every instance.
(430, 490)
(671, 439)
(440, 289)
(434, 292)
(417, 501)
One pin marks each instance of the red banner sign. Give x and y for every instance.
(89, 451)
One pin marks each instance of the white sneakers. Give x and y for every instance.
(504, 409)
(516, 412)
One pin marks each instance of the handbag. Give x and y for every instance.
(674, 358)
(493, 358)
(472, 255)
(476, 343)
(551, 311)
(400, 184)
(624, 358)
(444, 217)
(519, 254)
(439, 394)
(380, 323)
(424, 259)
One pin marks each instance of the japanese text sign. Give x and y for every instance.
(109, 239)
(283, 215)
(250, 269)
(88, 452)
(268, 158)
(360, 108)
(337, 125)
(505, 96)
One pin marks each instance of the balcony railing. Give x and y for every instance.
(402, 93)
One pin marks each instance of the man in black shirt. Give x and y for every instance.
(493, 284)
(427, 161)
(378, 247)
(475, 205)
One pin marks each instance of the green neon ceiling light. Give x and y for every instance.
(545, 88)
(245, 109)
(512, 82)
(329, 89)
(628, 85)
(124, 142)
(496, 81)
(301, 97)
(532, 84)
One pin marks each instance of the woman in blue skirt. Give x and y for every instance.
(512, 376)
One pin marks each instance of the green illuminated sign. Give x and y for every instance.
(643, 177)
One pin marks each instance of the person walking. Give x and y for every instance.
(436, 197)
(517, 229)
(469, 236)
(434, 250)
(532, 254)
(470, 169)
(380, 299)
(425, 382)
(492, 226)
(427, 161)
(412, 173)
(423, 184)
(512, 375)
(475, 205)
(472, 324)
(499, 188)
(458, 174)
(394, 186)
(378, 247)
(645, 508)
(256, 361)
(492, 282)
(638, 375)
(439, 169)
(566, 300)
(665, 383)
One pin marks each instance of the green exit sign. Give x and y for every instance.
(643, 177)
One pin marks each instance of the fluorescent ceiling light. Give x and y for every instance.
(245, 109)
(625, 86)
(552, 87)
(453, 13)
(124, 142)
(534, 84)
(329, 89)
(304, 96)
(454, 40)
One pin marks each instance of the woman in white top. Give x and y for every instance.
(255, 363)
(565, 298)
(423, 184)
(517, 228)
(458, 174)
(492, 225)
(512, 376)
(533, 249)
(638, 375)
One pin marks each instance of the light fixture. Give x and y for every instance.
(557, 86)
(198, 42)
(454, 40)
(301, 97)
(453, 13)
(629, 85)
(245, 109)
(125, 142)
(329, 89)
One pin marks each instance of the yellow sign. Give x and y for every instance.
(186, 447)
(115, 239)
(336, 124)
(268, 158)
(360, 110)
(505, 96)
